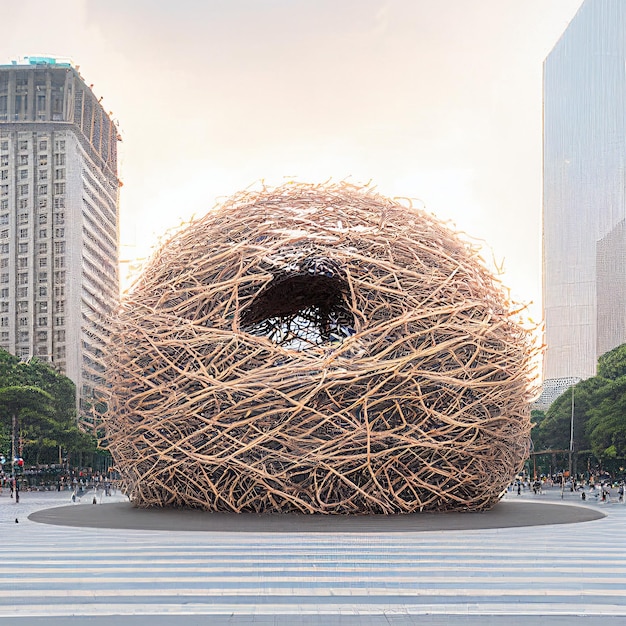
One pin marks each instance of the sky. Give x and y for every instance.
(436, 100)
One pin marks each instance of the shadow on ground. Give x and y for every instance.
(124, 515)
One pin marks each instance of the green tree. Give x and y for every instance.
(46, 427)
(612, 364)
(606, 427)
(555, 428)
(25, 405)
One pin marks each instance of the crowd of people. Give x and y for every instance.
(77, 480)
(601, 489)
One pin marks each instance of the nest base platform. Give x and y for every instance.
(124, 515)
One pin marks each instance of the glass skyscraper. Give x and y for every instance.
(584, 193)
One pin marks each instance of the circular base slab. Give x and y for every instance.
(124, 515)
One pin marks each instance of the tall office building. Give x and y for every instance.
(58, 219)
(584, 250)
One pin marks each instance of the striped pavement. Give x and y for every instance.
(535, 575)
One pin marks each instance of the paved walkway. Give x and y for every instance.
(566, 573)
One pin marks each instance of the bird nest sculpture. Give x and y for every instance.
(318, 349)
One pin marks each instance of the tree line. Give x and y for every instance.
(38, 413)
(599, 417)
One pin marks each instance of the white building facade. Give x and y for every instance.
(584, 202)
(59, 216)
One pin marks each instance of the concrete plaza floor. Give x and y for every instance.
(546, 559)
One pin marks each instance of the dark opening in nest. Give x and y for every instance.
(301, 310)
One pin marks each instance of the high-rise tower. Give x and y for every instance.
(58, 219)
(584, 249)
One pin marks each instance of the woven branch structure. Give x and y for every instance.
(318, 349)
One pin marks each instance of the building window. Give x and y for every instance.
(23, 218)
(43, 233)
(22, 292)
(59, 203)
(22, 190)
(43, 248)
(22, 145)
(59, 188)
(59, 262)
(4, 335)
(43, 190)
(59, 174)
(4, 307)
(22, 278)
(43, 145)
(59, 335)
(23, 233)
(59, 320)
(23, 204)
(59, 306)
(25, 352)
(59, 233)
(22, 337)
(23, 174)
(22, 262)
(43, 307)
(59, 159)
(4, 205)
(43, 218)
(4, 190)
(4, 321)
(43, 292)
(4, 292)
(23, 159)
(4, 234)
(59, 145)
(59, 353)
(22, 248)
(42, 335)
(4, 247)
(42, 321)
(22, 306)
(59, 278)
(4, 175)
(4, 277)
(59, 218)
(23, 321)
(4, 160)
(43, 203)
(43, 175)
(43, 262)
(59, 292)
(4, 262)
(4, 218)
(43, 277)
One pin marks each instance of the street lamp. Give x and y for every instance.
(571, 437)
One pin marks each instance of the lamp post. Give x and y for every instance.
(571, 437)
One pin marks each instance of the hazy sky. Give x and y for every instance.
(432, 99)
